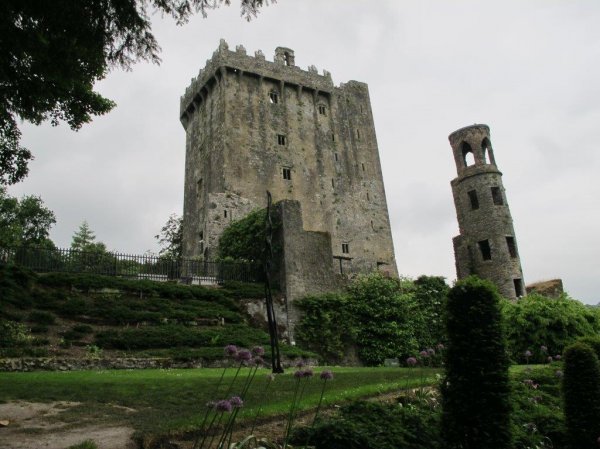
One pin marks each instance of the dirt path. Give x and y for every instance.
(38, 426)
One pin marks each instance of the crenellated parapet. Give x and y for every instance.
(282, 69)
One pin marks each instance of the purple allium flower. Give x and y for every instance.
(236, 402)
(299, 374)
(431, 351)
(441, 346)
(528, 353)
(411, 361)
(307, 373)
(557, 357)
(327, 375)
(258, 351)
(258, 361)
(223, 406)
(424, 353)
(558, 373)
(231, 350)
(244, 355)
(544, 349)
(549, 359)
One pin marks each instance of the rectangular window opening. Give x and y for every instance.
(336, 157)
(484, 248)
(357, 134)
(474, 200)
(345, 248)
(322, 110)
(368, 197)
(281, 139)
(332, 183)
(332, 137)
(518, 287)
(225, 213)
(497, 196)
(363, 167)
(273, 97)
(512, 247)
(287, 174)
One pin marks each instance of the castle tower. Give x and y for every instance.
(254, 125)
(486, 246)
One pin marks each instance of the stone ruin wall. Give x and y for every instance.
(234, 154)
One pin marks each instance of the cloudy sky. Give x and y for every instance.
(528, 69)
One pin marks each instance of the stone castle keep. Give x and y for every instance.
(254, 125)
(486, 246)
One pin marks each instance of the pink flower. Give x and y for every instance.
(231, 350)
(258, 351)
(236, 401)
(223, 406)
(411, 361)
(244, 355)
(424, 353)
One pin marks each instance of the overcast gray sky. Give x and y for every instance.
(528, 69)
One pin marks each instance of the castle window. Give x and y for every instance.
(199, 188)
(518, 287)
(372, 226)
(345, 248)
(287, 174)
(357, 134)
(225, 213)
(484, 248)
(273, 97)
(497, 196)
(332, 137)
(485, 148)
(287, 58)
(473, 198)
(332, 183)
(467, 154)
(281, 139)
(336, 156)
(363, 166)
(322, 109)
(512, 248)
(368, 198)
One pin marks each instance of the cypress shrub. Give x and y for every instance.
(475, 391)
(581, 396)
(593, 342)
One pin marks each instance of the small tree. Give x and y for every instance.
(90, 255)
(475, 392)
(170, 238)
(581, 395)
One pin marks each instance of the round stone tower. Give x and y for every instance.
(486, 246)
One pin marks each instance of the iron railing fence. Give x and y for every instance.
(156, 268)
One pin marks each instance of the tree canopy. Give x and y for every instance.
(170, 238)
(52, 54)
(25, 221)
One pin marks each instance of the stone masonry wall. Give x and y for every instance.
(254, 125)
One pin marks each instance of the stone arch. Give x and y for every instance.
(467, 154)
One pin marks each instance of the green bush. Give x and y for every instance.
(13, 334)
(475, 391)
(535, 320)
(538, 420)
(327, 326)
(368, 425)
(168, 336)
(244, 239)
(41, 317)
(593, 341)
(15, 286)
(581, 388)
(39, 329)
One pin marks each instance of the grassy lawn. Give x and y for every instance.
(173, 400)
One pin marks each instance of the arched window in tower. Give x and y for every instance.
(467, 154)
(485, 150)
(273, 97)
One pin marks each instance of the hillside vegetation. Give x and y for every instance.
(75, 315)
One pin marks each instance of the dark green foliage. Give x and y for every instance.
(15, 287)
(244, 239)
(475, 391)
(13, 334)
(382, 317)
(78, 331)
(368, 425)
(174, 335)
(23, 222)
(581, 389)
(41, 317)
(535, 320)
(243, 290)
(593, 341)
(39, 329)
(327, 326)
(538, 420)
(170, 238)
(88, 38)
(430, 294)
